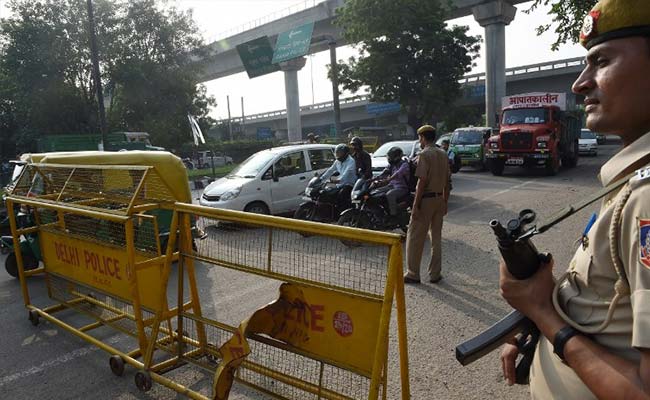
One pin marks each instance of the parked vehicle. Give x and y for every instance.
(205, 159)
(379, 159)
(270, 181)
(321, 202)
(470, 145)
(370, 210)
(588, 143)
(30, 248)
(536, 130)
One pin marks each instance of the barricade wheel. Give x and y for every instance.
(143, 381)
(34, 318)
(117, 365)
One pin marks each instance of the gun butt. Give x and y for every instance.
(492, 338)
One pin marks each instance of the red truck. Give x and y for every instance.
(536, 130)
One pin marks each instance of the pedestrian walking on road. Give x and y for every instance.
(595, 320)
(429, 208)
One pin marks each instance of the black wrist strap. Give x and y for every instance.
(560, 339)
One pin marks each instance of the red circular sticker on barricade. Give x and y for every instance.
(342, 323)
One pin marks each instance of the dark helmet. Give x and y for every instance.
(356, 142)
(395, 154)
(341, 151)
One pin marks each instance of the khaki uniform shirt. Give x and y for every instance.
(433, 167)
(586, 294)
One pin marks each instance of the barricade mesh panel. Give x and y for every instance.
(335, 383)
(357, 267)
(105, 188)
(361, 267)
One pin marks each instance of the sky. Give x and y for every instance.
(215, 18)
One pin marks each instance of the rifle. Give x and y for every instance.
(522, 260)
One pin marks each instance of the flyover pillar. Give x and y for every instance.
(494, 17)
(291, 68)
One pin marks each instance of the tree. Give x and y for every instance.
(45, 58)
(154, 86)
(567, 18)
(407, 54)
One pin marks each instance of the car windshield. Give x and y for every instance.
(587, 134)
(407, 148)
(252, 166)
(467, 137)
(525, 116)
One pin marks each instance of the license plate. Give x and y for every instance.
(356, 201)
(306, 198)
(515, 161)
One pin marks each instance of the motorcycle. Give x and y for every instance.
(320, 202)
(29, 247)
(370, 209)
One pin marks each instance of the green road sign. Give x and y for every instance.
(293, 44)
(256, 56)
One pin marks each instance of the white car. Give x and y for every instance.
(270, 181)
(588, 143)
(205, 159)
(379, 158)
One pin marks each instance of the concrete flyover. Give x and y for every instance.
(221, 58)
(553, 76)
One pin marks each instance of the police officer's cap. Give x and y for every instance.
(426, 128)
(615, 19)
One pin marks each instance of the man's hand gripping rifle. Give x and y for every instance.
(522, 260)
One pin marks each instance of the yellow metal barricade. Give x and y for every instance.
(324, 335)
(294, 309)
(98, 230)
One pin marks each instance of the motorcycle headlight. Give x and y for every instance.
(541, 145)
(231, 194)
(308, 192)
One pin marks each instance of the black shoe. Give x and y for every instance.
(408, 279)
(438, 279)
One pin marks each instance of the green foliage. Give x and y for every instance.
(45, 70)
(408, 54)
(567, 18)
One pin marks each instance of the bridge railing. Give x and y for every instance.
(303, 5)
(528, 69)
(326, 105)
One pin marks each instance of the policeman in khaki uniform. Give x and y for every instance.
(429, 207)
(595, 320)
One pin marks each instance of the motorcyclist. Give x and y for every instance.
(361, 158)
(394, 180)
(345, 166)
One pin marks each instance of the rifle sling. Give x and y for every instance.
(572, 209)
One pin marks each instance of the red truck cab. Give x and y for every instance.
(535, 131)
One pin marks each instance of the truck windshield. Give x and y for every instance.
(525, 116)
(467, 137)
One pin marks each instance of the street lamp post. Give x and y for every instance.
(96, 75)
(335, 86)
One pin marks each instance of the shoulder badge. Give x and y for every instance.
(644, 242)
(641, 177)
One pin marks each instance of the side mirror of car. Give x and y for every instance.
(268, 175)
(276, 178)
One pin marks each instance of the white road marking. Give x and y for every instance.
(499, 193)
(53, 363)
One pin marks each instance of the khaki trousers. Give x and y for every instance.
(428, 220)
